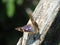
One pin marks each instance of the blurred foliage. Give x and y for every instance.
(19, 2)
(4, 1)
(10, 6)
(59, 44)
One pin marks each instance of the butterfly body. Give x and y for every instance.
(26, 28)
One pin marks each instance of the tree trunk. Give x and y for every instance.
(43, 15)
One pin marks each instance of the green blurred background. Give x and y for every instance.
(13, 14)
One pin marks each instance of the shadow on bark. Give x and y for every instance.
(53, 35)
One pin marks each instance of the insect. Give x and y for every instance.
(26, 28)
(29, 27)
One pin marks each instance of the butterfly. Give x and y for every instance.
(29, 27)
(25, 28)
